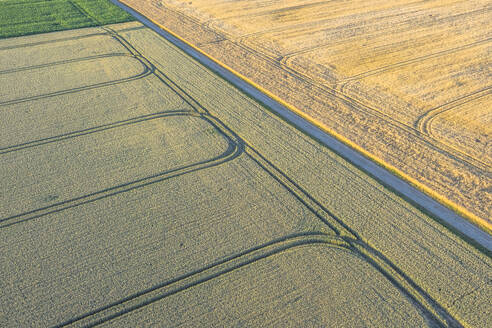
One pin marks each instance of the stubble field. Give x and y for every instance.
(139, 189)
(406, 81)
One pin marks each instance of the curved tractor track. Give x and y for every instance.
(330, 231)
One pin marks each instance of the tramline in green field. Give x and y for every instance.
(23, 17)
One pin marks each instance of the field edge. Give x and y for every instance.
(461, 211)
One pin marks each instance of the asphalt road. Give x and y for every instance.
(139, 188)
(409, 192)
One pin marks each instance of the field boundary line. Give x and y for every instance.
(452, 215)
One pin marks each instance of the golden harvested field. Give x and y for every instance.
(407, 81)
(138, 188)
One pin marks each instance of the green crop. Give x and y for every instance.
(23, 17)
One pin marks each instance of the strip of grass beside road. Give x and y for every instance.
(24, 17)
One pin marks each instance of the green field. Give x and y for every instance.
(23, 17)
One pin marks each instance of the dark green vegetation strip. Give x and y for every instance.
(23, 17)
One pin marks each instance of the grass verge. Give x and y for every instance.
(24, 17)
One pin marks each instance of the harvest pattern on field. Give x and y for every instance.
(407, 81)
(137, 184)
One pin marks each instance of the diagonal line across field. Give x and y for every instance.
(339, 92)
(435, 313)
(207, 169)
(440, 211)
(64, 39)
(317, 84)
